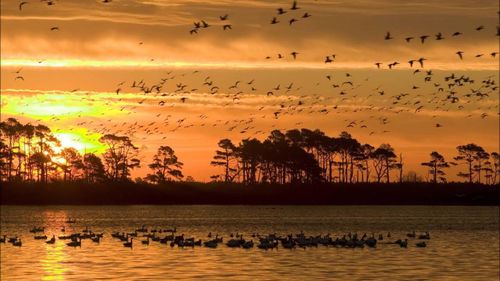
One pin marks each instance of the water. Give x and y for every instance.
(464, 243)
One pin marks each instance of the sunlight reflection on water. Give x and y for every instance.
(464, 243)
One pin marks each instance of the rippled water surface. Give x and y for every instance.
(464, 243)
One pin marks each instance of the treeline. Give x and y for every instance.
(306, 156)
(31, 153)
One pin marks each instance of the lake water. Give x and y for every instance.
(464, 243)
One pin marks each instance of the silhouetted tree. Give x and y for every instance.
(383, 160)
(71, 164)
(224, 158)
(93, 169)
(436, 165)
(165, 166)
(119, 157)
(468, 154)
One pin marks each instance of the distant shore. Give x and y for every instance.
(231, 194)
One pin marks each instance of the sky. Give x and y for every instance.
(73, 57)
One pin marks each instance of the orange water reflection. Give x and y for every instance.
(54, 253)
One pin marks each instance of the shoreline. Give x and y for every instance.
(183, 193)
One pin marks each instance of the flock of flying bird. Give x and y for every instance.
(342, 93)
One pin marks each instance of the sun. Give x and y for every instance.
(80, 139)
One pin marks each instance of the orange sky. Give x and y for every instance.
(71, 75)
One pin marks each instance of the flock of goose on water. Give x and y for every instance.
(265, 242)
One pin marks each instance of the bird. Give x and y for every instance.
(494, 54)
(224, 17)
(479, 28)
(292, 21)
(306, 15)
(439, 36)
(281, 11)
(423, 37)
(408, 39)
(460, 54)
(388, 36)
(294, 54)
(294, 6)
(457, 33)
(328, 60)
(421, 61)
(378, 64)
(274, 20)
(21, 5)
(55, 28)
(226, 26)
(128, 244)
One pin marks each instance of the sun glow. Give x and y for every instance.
(81, 140)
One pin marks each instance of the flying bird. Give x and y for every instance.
(388, 36)
(460, 54)
(294, 6)
(21, 5)
(224, 17)
(281, 11)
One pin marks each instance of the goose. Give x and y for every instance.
(52, 240)
(145, 242)
(425, 236)
(421, 244)
(96, 239)
(403, 244)
(128, 244)
(77, 242)
(40, 237)
(17, 243)
(247, 244)
(210, 244)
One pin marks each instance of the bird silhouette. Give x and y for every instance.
(21, 5)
